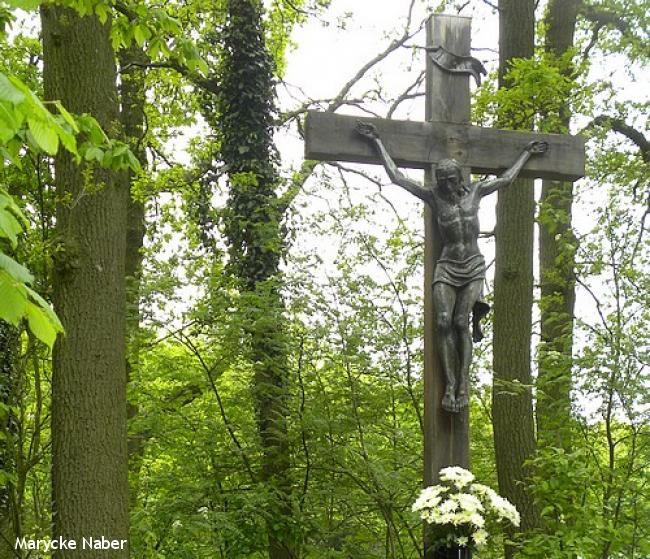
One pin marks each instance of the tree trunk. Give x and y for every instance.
(253, 226)
(512, 407)
(89, 456)
(132, 116)
(556, 263)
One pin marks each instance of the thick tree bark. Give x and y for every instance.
(89, 455)
(556, 263)
(512, 407)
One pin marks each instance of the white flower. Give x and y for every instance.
(444, 518)
(459, 506)
(177, 524)
(480, 537)
(469, 502)
(505, 509)
(477, 520)
(448, 506)
(429, 498)
(456, 475)
(483, 490)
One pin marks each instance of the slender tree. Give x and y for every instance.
(512, 407)
(89, 469)
(254, 231)
(556, 254)
(132, 116)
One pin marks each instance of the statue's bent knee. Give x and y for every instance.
(443, 322)
(461, 322)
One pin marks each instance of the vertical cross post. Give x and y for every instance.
(446, 435)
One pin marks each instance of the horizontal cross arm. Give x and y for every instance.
(332, 137)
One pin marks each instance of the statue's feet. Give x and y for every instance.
(462, 398)
(449, 400)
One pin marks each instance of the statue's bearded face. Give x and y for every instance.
(449, 179)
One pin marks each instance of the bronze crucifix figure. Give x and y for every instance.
(460, 270)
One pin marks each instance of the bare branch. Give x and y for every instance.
(599, 309)
(642, 228)
(592, 41)
(605, 18)
(288, 116)
(340, 99)
(407, 94)
(208, 85)
(620, 126)
(295, 8)
(209, 371)
(392, 47)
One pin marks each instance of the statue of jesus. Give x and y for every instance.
(460, 271)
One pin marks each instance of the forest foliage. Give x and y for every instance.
(266, 284)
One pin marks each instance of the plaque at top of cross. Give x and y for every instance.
(451, 202)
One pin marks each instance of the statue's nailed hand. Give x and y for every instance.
(537, 147)
(367, 130)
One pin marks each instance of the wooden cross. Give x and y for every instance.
(445, 134)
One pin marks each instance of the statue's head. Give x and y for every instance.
(449, 176)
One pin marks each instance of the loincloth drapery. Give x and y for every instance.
(458, 274)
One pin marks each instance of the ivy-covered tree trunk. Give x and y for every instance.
(254, 231)
(556, 258)
(89, 456)
(512, 405)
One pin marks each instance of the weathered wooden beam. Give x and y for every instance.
(332, 137)
(446, 435)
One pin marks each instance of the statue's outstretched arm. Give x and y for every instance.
(533, 148)
(368, 130)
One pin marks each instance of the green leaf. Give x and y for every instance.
(44, 134)
(140, 33)
(94, 153)
(9, 92)
(107, 160)
(102, 11)
(40, 325)
(134, 164)
(47, 309)
(202, 66)
(10, 228)
(67, 116)
(11, 152)
(6, 201)
(121, 149)
(90, 126)
(15, 270)
(13, 299)
(69, 141)
(9, 121)
(26, 5)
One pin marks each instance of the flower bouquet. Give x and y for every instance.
(463, 513)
